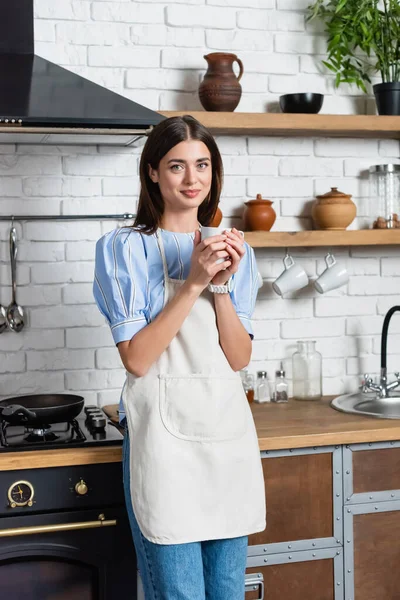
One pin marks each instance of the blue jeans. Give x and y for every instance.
(208, 570)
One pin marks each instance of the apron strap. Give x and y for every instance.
(161, 248)
(162, 252)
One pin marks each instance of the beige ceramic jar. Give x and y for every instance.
(333, 210)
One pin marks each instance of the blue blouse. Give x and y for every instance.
(129, 281)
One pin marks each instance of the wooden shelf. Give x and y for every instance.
(278, 124)
(283, 239)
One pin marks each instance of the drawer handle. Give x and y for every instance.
(254, 581)
(101, 522)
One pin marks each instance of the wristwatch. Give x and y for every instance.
(221, 289)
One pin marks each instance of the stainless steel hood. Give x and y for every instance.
(42, 103)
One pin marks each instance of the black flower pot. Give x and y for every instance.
(387, 97)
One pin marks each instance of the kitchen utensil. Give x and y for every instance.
(258, 214)
(333, 210)
(291, 279)
(15, 313)
(220, 89)
(384, 192)
(35, 410)
(334, 276)
(3, 319)
(301, 103)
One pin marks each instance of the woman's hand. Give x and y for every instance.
(206, 253)
(236, 250)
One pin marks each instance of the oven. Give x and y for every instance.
(65, 535)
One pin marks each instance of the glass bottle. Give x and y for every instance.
(248, 384)
(307, 372)
(281, 386)
(262, 394)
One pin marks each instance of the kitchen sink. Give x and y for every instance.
(364, 404)
(375, 400)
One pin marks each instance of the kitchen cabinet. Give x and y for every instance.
(302, 577)
(333, 524)
(299, 493)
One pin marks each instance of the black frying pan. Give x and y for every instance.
(36, 410)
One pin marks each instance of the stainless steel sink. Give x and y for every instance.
(375, 400)
(367, 404)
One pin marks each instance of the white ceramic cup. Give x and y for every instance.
(207, 232)
(293, 277)
(334, 276)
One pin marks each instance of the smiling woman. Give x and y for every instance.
(179, 309)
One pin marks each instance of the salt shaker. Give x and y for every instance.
(281, 386)
(262, 394)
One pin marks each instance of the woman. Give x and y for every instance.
(192, 470)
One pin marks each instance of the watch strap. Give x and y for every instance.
(221, 289)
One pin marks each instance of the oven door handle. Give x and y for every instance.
(101, 522)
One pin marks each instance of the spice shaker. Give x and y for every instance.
(248, 384)
(281, 386)
(262, 392)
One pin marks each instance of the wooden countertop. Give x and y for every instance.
(279, 426)
(304, 424)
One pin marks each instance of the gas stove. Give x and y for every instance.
(90, 428)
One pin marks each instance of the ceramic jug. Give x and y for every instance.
(258, 214)
(220, 89)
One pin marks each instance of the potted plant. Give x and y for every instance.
(364, 38)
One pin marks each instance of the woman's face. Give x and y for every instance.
(184, 175)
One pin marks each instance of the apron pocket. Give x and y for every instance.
(203, 408)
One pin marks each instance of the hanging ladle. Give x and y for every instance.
(3, 319)
(15, 313)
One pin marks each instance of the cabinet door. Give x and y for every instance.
(311, 580)
(299, 498)
(376, 556)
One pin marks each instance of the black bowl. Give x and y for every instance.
(301, 103)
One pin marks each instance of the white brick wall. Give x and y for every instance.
(152, 52)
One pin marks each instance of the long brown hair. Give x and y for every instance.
(162, 138)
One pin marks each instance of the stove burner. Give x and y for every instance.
(95, 429)
(19, 436)
(41, 435)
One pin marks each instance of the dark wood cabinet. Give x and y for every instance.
(311, 580)
(299, 498)
(376, 555)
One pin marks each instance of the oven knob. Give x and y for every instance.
(81, 488)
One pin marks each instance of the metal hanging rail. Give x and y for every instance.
(65, 217)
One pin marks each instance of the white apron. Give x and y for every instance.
(194, 459)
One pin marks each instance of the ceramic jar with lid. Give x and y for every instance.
(258, 214)
(217, 218)
(333, 210)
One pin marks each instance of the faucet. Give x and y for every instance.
(383, 388)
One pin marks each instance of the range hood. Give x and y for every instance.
(42, 103)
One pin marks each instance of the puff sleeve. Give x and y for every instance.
(246, 285)
(120, 285)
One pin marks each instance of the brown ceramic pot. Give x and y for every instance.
(220, 89)
(333, 210)
(258, 214)
(217, 218)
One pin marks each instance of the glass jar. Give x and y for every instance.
(307, 372)
(262, 391)
(248, 384)
(384, 192)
